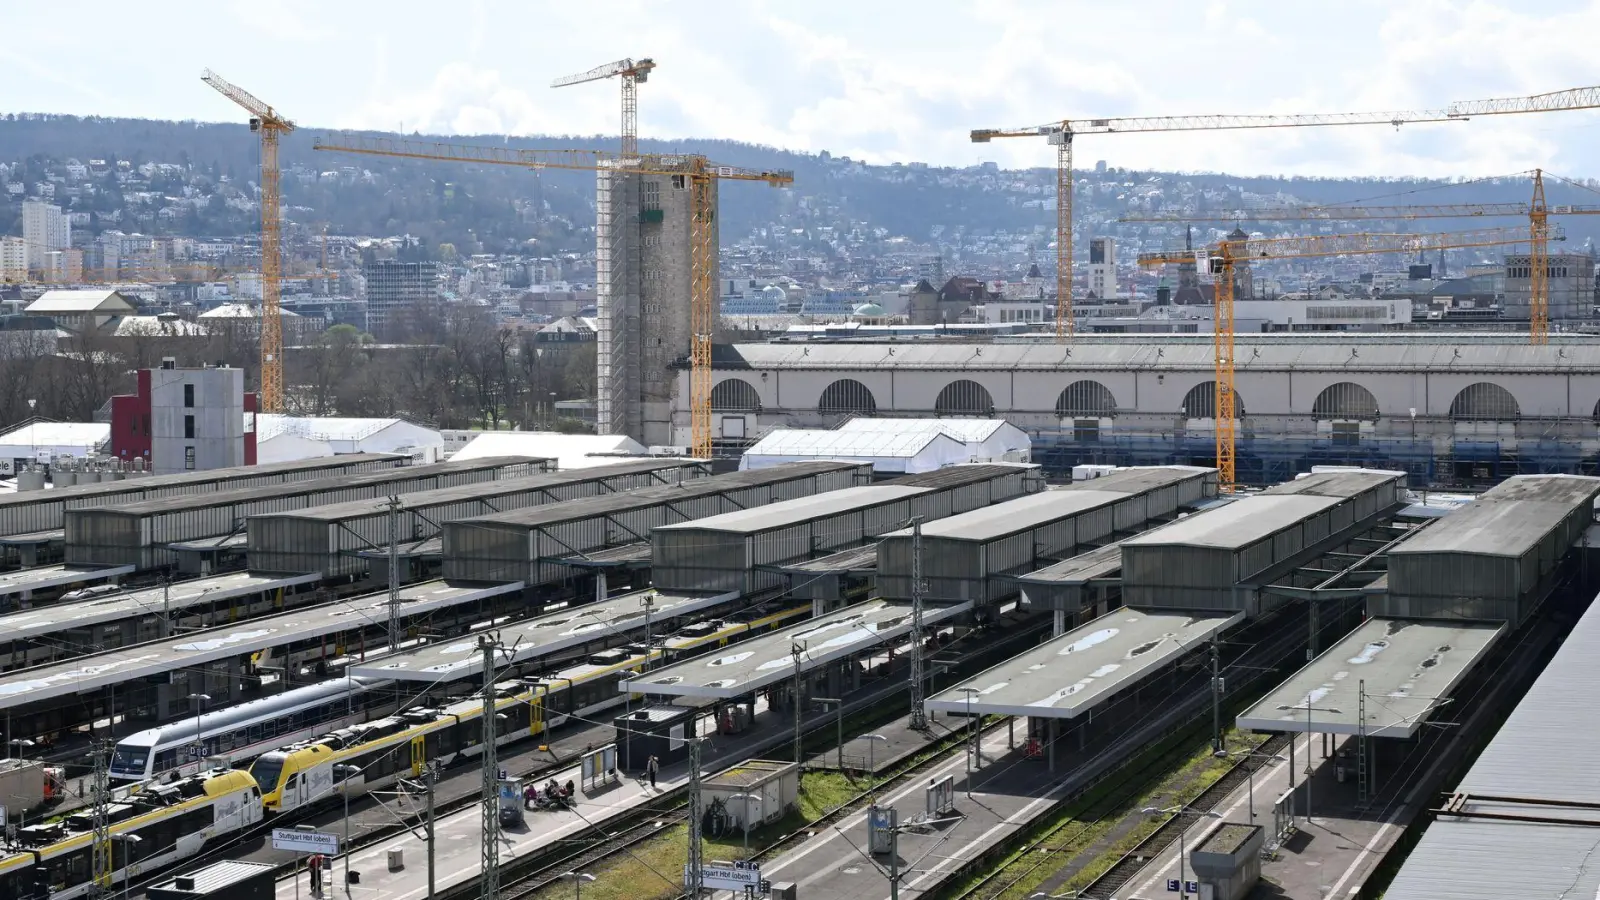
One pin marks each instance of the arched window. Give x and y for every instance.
(734, 395)
(847, 396)
(1088, 399)
(964, 398)
(1485, 402)
(1345, 400)
(1201, 402)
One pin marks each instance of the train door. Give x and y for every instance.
(536, 713)
(419, 754)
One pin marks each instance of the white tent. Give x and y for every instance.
(281, 438)
(571, 451)
(986, 440)
(890, 452)
(31, 441)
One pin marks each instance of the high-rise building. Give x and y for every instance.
(642, 269)
(13, 259)
(393, 287)
(44, 229)
(185, 420)
(1103, 268)
(62, 267)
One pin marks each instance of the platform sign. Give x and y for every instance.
(740, 877)
(1172, 885)
(1191, 887)
(941, 795)
(297, 841)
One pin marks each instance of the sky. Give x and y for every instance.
(879, 80)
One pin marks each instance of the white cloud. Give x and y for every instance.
(882, 80)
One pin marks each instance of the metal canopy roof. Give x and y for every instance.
(752, 665)
(855, 559)
(483, 491)
(198, 647)
(1237, 524)
(799, 510)
(1544, 751)
(1068, 676)
(1015, 516)
(1509, 519)
(537, 637)
(59, 617)
(1409, 669)
(55, 576)
(1101, 562)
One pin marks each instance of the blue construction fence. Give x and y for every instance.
(1270, 460)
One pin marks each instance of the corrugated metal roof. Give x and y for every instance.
(856, 559)
(1014, 516)
(1335, 484)
(1328, 352)
(1101, 562)
(592, 507)
(219, 875)
(1139, 479)
(1544, 751)
(1238, 524)
(971, 473)
(799, 510)
(422, 500)
(1508, 519)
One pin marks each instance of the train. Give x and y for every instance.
(171, 822)
(243, 732)
(374, 755)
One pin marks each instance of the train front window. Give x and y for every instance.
(130, 759)
(266, 771)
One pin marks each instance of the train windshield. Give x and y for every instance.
(130, 759)
(266, 771)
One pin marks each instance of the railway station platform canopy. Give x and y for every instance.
(196, 648)
(1409, 669)
(538, 637)
(1068, 676)
(1064, 585)
(26, 581)
(31, 624)
(761, 662)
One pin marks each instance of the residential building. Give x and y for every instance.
(13, 259)
(1102, 268)
(62, 267)
(43, 229)
(185, 420)
(394, 287)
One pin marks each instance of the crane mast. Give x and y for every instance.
(270, 125)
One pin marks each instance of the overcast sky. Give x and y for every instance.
(883, 80)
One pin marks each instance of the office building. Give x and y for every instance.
(393, 288)
(1571, 285)
(1102, 268)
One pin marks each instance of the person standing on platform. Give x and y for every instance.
(315, 864)
(651, 767)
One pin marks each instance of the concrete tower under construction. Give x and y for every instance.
(642, 285)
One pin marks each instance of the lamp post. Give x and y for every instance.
(577, 878)
(344, 772)
(838, 725)
(130, 842)
(972, 738)
(199, 732)
(1309, 709)
(1183, 889)
(872, 764)
(1250, 774)
(19, 744)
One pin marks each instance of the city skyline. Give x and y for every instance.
(886, 83)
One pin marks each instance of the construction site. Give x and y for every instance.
(1049, 615)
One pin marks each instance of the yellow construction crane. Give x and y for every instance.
(1061, 134)
(702, 255)
(270, 125)
(633, 73)
(1537, 211)
(1220, 261)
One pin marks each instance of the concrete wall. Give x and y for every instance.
(218, 412)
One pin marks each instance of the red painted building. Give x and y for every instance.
(186, 419)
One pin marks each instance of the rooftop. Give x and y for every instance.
(571, 451)
(1237, 524)
(798, 510)
(1407, 669)
(754, 664)
(30, 624)
(1068, 676)
(1508, 519)
(813, 442)
(46, 435)
(1014, 516)
(1101, 562)
(79, 302)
